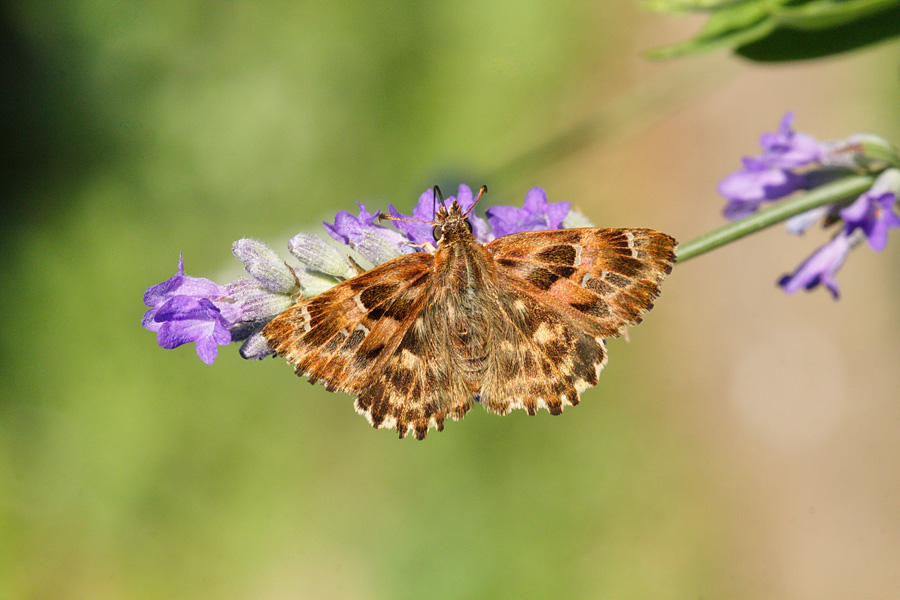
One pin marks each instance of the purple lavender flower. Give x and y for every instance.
(788, 149)
(769, 175)
(821, 267)
(755, 184)
(190, 309)
(535, 215)
(869, 217)
(792, 161)
(873, 213)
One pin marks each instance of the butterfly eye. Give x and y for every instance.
(437, 233)
(468, 225)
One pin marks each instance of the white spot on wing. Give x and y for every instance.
(543, 334)
(408, 359)
(358, 299)
(630, 237)
(587, 277)
(578, 248)
(304, 312)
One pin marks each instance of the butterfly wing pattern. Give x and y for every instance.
(516, 323)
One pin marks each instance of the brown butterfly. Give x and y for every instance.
(518, 322)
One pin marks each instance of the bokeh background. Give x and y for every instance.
(743, 444)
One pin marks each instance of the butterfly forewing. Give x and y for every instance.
(342, 334)
(611, 276)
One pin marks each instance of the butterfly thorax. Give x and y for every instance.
(465, 284)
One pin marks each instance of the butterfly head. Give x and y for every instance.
(451, 224)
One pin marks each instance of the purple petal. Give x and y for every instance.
(184, 287)
(798, 224)
(535, 215)
(376, 243)
(787, 149)
(208, 347)
(183, 308)
(820, 267)
(735, 210)
(873, 213)
(344, 225)
(758, 185)
(464, 197)
(181, 284)
(175, 333)
(417, 233)
(148, 321)
(859, 210)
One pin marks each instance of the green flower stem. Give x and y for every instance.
(835, 191)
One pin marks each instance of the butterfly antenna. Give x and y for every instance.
(437, 195)
(384, 217)
(481, 193)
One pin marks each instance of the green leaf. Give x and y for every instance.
(784, 44)
(822, 14)
(780, 30)
(734, 26)
(678, 7)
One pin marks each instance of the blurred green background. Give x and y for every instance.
(742, 445)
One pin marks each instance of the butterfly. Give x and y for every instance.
(517, 323)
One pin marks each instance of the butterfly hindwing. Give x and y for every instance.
(418, 384)
(541, 357)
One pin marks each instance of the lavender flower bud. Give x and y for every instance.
(318, 255)
(265, 266)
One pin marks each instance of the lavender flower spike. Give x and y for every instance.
(189, 309)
